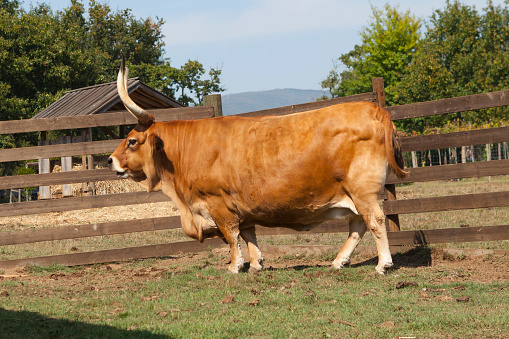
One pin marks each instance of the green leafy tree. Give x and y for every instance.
(43, 54)
(388, 45)
(464, 52)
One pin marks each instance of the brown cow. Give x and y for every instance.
(228, 174)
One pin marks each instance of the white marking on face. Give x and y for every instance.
(115, 166)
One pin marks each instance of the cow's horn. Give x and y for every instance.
(143, 116)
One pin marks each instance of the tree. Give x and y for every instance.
(464, 52)
(388, 44)
(43, 54)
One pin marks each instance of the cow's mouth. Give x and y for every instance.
(122, 175)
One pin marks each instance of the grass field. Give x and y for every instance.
(428, 295)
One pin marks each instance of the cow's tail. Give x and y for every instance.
(393, 148)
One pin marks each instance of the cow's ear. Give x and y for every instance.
(156, 143)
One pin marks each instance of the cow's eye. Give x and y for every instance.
(132, 142)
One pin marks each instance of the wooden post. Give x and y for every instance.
(44, 167)
(414, 159)
(84, 159)
(90, 162)
(66, 167)
(391, 221)
(488, 157)
(214, 100)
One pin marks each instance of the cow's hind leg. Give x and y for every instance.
(357, 230)
(375, 222)
(255, 255)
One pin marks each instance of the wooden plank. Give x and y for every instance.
(447, 203)
(54, 151)
(104, 119)
(370, 97)
(139, 225)
(449, 235)
(121, 254)
(58, 178)
(79, 203)
(88, 230)
(456, 139)
(453, 105)
(454, 171)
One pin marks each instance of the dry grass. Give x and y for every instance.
(475, 217)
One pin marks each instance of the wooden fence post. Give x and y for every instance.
(66, 167)
(391, 221)
(90, 162)
(214, 100)
(44, 167)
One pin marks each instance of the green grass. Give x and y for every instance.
(298, 302)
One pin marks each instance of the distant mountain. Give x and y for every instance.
(255, 101)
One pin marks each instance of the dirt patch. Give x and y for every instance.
(487, 268)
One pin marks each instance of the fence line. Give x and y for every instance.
(495, 138)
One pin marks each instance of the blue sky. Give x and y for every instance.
(263, 44)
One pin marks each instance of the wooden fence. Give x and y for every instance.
(391, 205)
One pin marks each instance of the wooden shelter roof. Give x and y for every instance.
(104, 98)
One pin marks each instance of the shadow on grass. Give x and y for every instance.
(413, 258)
(23, 324)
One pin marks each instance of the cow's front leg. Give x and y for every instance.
(237, 261)
(357, 230)
(255, 255)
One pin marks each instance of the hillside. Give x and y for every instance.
(255, 101)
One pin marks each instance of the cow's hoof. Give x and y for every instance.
(340, 263)
(382, 269)
(255, 268)
(236, 266)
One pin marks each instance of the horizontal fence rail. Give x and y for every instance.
(455, 139)
(453, 171)
(100, 120)
(80, 203)
(452, 105)
(61, 150)
(369, 97)
(447, 203)
(58, 178)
